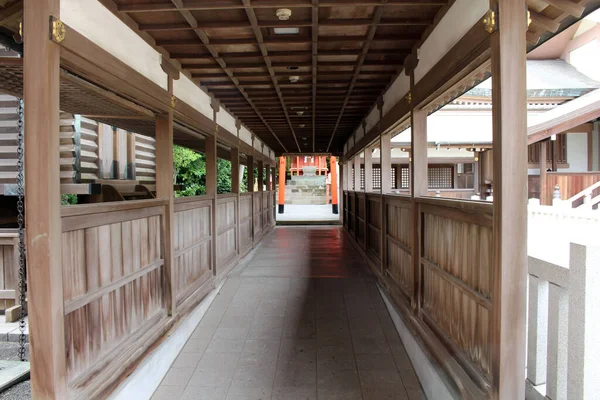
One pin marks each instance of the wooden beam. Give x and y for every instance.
(210, 47)
(41, 66)
(567, 6)
(547, 23)
(405, 41)
(377, 14)
(11, 12)
(219, 5)
(509, 110)
(265, 54)
(176, 26)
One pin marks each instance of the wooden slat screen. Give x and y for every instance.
(192, 244)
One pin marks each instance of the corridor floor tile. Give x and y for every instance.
(301, 319)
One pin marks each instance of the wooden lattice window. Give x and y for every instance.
(362, 177)
(533, 151)
(376, 177)
(393, 175)
(404, 177)
(440, 177)
(352, 184)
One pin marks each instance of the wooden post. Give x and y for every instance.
(418, 188)
(357, 172)
(509, 110)
(235, 188)
(554, 153)
(261, 175)
(268, 178)
(385, 165)
(281, 187)
(210, 152)
(42, 202)
(476, 172)
(368, 170)
(164, 189)
(543, 175)
(131, 155)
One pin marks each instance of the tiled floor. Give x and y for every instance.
(301, 320)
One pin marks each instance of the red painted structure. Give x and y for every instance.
(314, 161)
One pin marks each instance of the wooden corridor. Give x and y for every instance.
(301, 318)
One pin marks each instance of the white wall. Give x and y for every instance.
(577, 156)
(101, 26)
(456, 23)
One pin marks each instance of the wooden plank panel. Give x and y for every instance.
(114, 283)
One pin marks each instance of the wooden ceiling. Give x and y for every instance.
(344, 54)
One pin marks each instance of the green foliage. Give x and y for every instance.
(223, 176)
(67, 199)
(190, 170)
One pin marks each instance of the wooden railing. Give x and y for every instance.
(246, 218)
(446, 294)
(570, 184)
(226, 228)
(257, 213)
(192, 244)
(115, 288)
(118, 288)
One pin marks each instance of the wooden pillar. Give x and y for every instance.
(268, 178)
(131, 155)
(164, 189)
(250, 166)
(386, 163)
(368, 170)
(476, 173)
(210, 152)
(235, 188)
(281, 188)
(509, 110)
(42, 203)
(261, 175)
(418, 188)
(543, 175)
(357, 172)
(334, 184)
(554, 153)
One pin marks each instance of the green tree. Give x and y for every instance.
(190, 171)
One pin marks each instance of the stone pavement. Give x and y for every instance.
(316, 329)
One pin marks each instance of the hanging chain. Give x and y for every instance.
(21, 223)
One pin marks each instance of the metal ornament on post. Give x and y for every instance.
(21, 227)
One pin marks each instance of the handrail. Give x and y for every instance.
(191, 199)
(583, 193)
(86, 209)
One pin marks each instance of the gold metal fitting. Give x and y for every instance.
(489, 21)
(59, 30)
(173, 101)
(409, 97)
